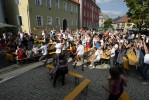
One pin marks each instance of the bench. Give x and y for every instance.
(36, 57)
(51, 53)
(124, 96)
(71, 73)
(78, 90)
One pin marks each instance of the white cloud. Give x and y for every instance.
(106, 1)
(113, 14)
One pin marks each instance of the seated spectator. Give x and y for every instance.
(73, 51)
(79, 54)
(20, 53)
(96, 57)
(29, 53)
(35, 49)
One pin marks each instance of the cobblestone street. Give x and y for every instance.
(36, 85)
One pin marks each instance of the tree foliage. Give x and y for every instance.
(138, 12)
(108, 23)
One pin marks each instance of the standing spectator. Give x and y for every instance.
(62, 69)
(145, 66)
(112, 55)
(114, 84)
(58, 47)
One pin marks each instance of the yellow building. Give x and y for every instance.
(37, 15)
(124, 24)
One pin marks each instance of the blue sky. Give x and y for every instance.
(113, 8)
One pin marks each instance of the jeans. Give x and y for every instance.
(144, 71)
(112, 61)
(43, 57)
(59, 73)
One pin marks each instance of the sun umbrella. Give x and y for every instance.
(3, 25)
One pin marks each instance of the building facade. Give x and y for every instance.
(2, 15)
(124, 24)
(89, 13)
(102, 18)
(37, 15)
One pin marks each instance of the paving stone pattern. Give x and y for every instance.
(36, 85)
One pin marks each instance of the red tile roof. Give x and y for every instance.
(124, 19)
(75, 1)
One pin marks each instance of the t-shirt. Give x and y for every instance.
(146, 59)
(35, 50)
(97, 54)
(58, 49)
(80, 49)
(20, 53)
(98, 44)
(21, 36)
(44, 50)
(112, 52)
(101, 41)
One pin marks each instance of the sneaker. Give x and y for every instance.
(140, 77)
(90, 65)
(74, 64)
(144, 83)
(93, 66)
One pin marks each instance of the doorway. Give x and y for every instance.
(64, 24)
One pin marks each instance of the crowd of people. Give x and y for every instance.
(117, 43)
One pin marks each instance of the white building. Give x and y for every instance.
(102, 18)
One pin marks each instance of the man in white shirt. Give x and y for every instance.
(112, 55)
(80, 55)
(21, 36)
(44, 51)
(58, 47)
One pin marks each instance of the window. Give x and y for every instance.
(84, 2)
(19, 18)
(84, 13)
(48, 3)
(57, 4)
(71, 8)
(75, 22)
(49, 20)
(71, 23)
(75, 9)
(57, 21)
(88, 4)
(17, 2)
(37, 2)
(84, 23)
(65, 6)
(39, 20)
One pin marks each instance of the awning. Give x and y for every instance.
(3, 25)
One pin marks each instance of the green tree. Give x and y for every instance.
(108, 23)
(138, 12)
